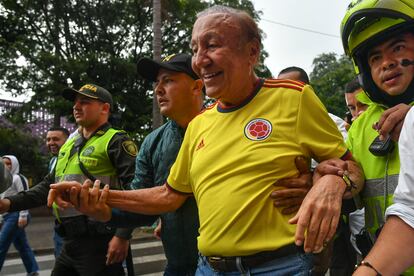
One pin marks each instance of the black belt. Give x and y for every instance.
(81, 226)
(228, 264)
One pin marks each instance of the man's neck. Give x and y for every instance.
(87, 132)
(186, 118)
(238, 97)
(184, 121)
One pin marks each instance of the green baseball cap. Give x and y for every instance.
(91, 91)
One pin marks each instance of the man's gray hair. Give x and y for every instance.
(218, 9)
(249, 28)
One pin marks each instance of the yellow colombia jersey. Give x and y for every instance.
(231, 157)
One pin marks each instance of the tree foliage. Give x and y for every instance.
(27, 149)
(329, 76)
(48, 45)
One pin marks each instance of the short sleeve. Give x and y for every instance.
(315, 130)
(179, 177)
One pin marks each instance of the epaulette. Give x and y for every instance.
(285, 83)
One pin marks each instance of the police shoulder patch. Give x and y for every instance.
(130, 148)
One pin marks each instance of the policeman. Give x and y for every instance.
(97, 152)
(379, 37)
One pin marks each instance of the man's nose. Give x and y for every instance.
(389, 61)
(200, 59)
(76, 105)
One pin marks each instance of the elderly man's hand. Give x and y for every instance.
(391, 122)
(319, 213)
(291, 198)
(339, 167)
(59, 193)
(92, 202)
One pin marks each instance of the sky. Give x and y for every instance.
(289, 46)
(293, 46)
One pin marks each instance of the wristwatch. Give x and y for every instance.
(350, 185)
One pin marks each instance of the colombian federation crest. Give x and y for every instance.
(258, 129)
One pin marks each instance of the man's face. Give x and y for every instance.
(174, 92)
(87, 111)
(54, 140)
(223, 62)
(355, 107)
(7, 163)
(385, 63)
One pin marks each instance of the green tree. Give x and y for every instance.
(157, 118)
(329, 77)
(75, 42)
(48, 45)
(25, 147)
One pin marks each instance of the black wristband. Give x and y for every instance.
(365, 263)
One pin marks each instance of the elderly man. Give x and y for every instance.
(234, 152)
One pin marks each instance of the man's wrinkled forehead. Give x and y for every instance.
(213, 24)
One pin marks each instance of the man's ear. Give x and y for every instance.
(198, 86)
(254, 51)
(106, 108)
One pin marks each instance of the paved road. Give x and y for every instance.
(147, 252)
(148, 258)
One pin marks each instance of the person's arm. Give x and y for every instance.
(340, 168)
(296, 188)
(156, 200)
(393, 252)
(319, 213)
(127, 219)
(98, 204)
(122, 152)
(23, 214)
(34, 197)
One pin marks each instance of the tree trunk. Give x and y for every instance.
(157, 118)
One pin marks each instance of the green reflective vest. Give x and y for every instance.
(378, 172)
(381, 172)
(95, 159)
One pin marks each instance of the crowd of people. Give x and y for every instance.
(262, 182)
